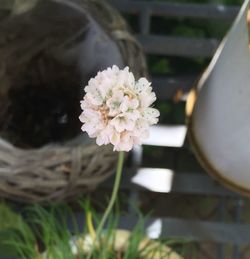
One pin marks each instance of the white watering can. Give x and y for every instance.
(219, 127)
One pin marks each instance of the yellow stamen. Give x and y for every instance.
(104, 112)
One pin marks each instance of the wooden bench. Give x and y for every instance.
(171, 180)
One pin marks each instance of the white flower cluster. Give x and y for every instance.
(116, 108)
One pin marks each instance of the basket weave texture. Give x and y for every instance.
(52, 173)
(56, 172)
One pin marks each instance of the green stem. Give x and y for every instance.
(113, 196)
(114, 193)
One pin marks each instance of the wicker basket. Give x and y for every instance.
(56, 172)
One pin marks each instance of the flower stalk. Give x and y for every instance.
(114, 193)
(96, 235)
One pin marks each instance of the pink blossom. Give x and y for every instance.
(116, 108)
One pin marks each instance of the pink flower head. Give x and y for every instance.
(116, 108)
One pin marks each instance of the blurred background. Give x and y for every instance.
(162, 179)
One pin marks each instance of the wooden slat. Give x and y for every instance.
(199, 183)
(204, 11)
(167, 86)
(194, 230)
(145, 21)
(178, 46)
(183, 182)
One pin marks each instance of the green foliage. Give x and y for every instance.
(9, 219)
(43, 233)
(11, 224)
(161, 66)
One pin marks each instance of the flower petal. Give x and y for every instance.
(151, 115)
(142, 84)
